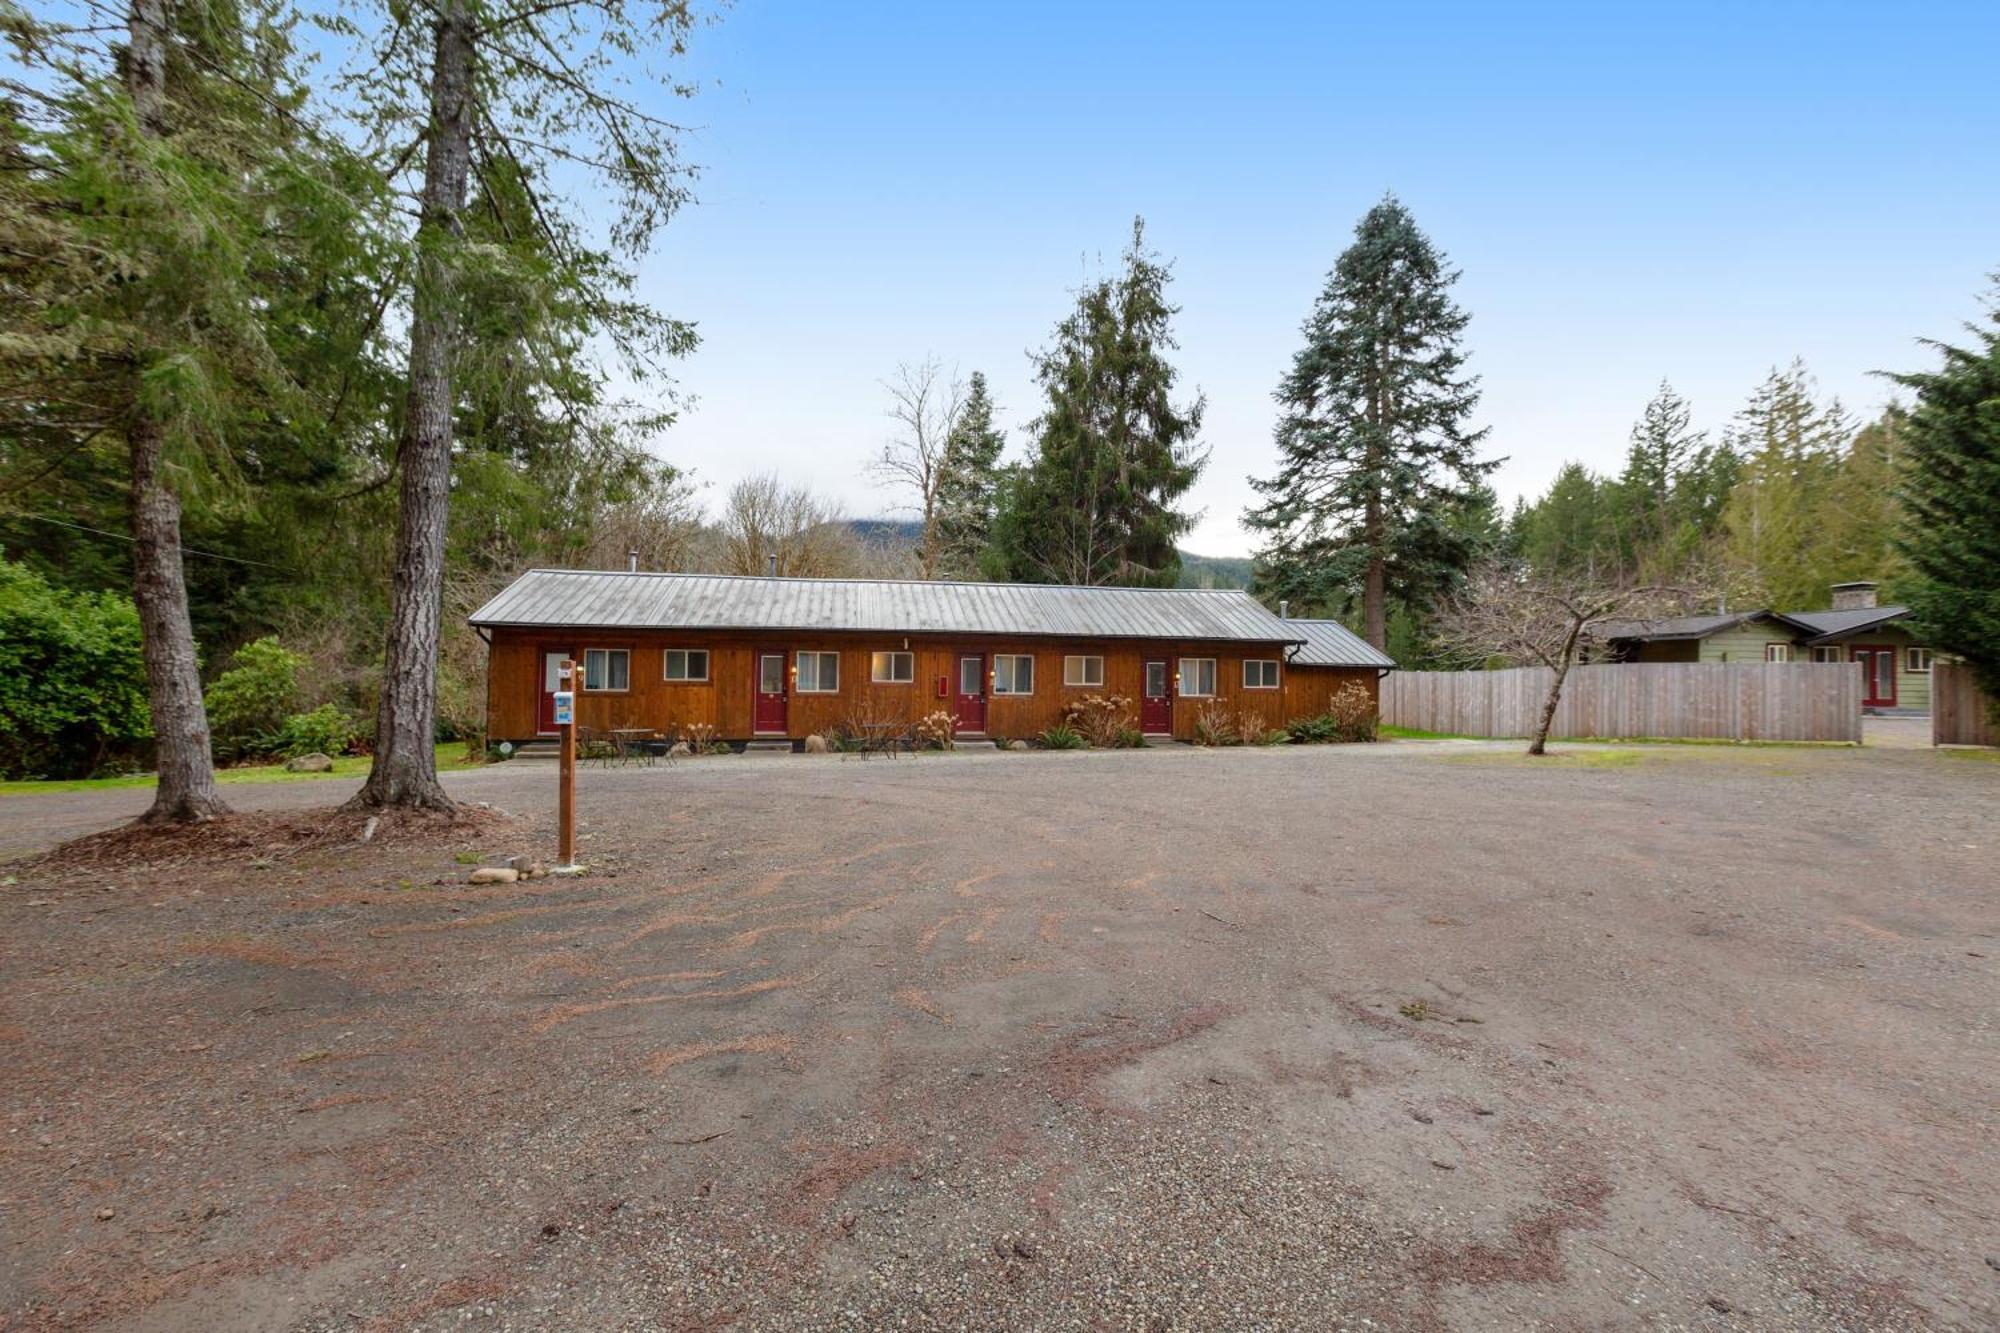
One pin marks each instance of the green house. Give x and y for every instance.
(1896, 665)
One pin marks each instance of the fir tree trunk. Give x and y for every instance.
(186, 791)
(405, 768)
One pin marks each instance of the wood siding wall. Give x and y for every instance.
(1960, 713)
(724, 701)
(1708, 701)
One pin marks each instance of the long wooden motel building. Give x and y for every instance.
(783, 658)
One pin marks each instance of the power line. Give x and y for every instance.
(185, 550)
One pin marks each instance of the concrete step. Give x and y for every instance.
(768, 747)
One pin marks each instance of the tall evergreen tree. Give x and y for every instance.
(1951, 499)
(510, 100)
(1791, 448)
(1375, 442)
(1114, 453)
(970, 488)
(157, 198)
(1569, 530)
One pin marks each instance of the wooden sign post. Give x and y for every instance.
(566, 768)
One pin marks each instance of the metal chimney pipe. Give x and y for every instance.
(1284, 608)
(774, 564)
(632, 561)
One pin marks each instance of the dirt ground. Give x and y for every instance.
(1415, 1036)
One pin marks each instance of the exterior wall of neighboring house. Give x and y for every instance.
(725, 699)
(1745, 642)
(1913, 687)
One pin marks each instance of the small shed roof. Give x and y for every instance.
(1330, 643)
(600, 599)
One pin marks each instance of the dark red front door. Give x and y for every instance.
(1878, 674)
(771, 714)
(1156, 704)
(545, 716)
(971, 696)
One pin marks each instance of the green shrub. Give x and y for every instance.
(1131, 738)
(1315, 730)
(72, 680)
(1062, 736)
(249, 703)
(325, 730)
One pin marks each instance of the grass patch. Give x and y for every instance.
(450, 759)
(1978, 754)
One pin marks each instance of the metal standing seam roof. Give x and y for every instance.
(1330, 643)
(599, 599)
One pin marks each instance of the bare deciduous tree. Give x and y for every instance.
(925, 403)
(1550, 619)
(769, 526)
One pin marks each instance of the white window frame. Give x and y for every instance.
(820, 658)
(1077, 671)
(1777, 652)
(1185, 687)
(1014, 661)
(1270, 662)
(1913, 655)
(1826, 652)
(687, 676)
(604, 656)
(875, 662)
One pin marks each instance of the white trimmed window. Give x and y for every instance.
(684, 664)
(1197, 677)
(818, 673)
(1917, 660)
(1777, 652)
(1083, 671)
(1013, 673)
(1260, 673)
(892, 668)
(607, 669)
(1826, 652)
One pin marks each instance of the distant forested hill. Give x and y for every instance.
(1214, 571)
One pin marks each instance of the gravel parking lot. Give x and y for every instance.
(1414, 1036)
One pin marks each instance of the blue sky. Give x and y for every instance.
(1632, 192)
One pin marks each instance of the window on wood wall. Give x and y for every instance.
(892, 668)
(819, 673)
(1917, 659)
(1260, 673)
(1826, 653)
(1083, 671)
(607, 669)
(1198, 677)
(685, 664)
(1013, 673)
(1777, 652)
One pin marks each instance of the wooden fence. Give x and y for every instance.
(1748, 701)
(1960, 714)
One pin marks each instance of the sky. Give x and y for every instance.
(1632, 193)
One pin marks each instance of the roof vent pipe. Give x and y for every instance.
(1284, 609)
(773, 564)
(632, 561)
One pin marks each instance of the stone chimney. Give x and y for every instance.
(1853, 596)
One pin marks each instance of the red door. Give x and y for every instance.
(1156, 703)
(772, 714)
(1878, 674)
(971, 701)
(545, 716)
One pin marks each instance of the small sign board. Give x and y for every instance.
(565, 701)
